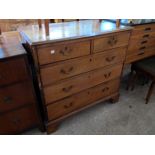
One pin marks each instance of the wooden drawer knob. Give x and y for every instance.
(67, 71)
(146, 36)
(68, 105)
(16, 121)
(141, 53)
(66, 51)
(107, 75)
(67, 89)
(147, 29)
(7, 99)
(109, 59)
(105, 89)
(144, 42)
(142, 48)
(112, 41)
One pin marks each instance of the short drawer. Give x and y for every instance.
(13, 71)
(17, 95)
(64, 51)
(77, 101)
(138, 55)
(76, 84)
(62, 70)
(140, 44)
(111, 41)
(18, 121)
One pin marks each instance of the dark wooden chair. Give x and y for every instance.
(146, 69)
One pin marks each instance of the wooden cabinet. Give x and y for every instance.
(74, 74)
(18, 104)
(142, 43)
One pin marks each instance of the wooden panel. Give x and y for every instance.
(81, 82)
(69, 68)
(13, 71)
(138, 55)
(63, 107)
(62, 52)
(17, 121)
(111, 41)
(15, 96)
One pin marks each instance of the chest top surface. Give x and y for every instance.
(69, 30)
(10, 45)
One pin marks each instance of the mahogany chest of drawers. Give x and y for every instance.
(142, 43)
(74, 74)
(18, 111)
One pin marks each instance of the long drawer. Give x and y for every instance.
(111, 41)
(58, 52)
(76, 84)
(13, 71)
(62, 70)
(69, 104)
(138, 55)
(17, 121)
(14, 96)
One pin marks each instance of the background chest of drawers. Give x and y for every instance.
(142, 43)
(18, 111)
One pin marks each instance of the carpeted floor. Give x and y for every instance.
(129, 116)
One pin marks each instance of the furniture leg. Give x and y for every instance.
(133, 81)
(149, 92)
(114, 99)
(130, 79)
(52, 127)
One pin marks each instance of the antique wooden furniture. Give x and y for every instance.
(78, 65)
(145, 68)
(18, 111)
(142, 42)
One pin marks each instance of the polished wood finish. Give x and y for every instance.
(81, 82)
(77, 70)
(111, 41)
(18, 109)
(58, 52)
(142, 43)
(16, 122)
(81, 99)
(11, 97)
(13, 71)
(63, 70)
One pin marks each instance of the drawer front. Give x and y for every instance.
(111, 41)
(81, 82)
(60, 52)
(143, 29)
(14, 96)
(81, 99)
(13, 71)
(138, 55)
(18, 121)
(140, 44)
(69, 68)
